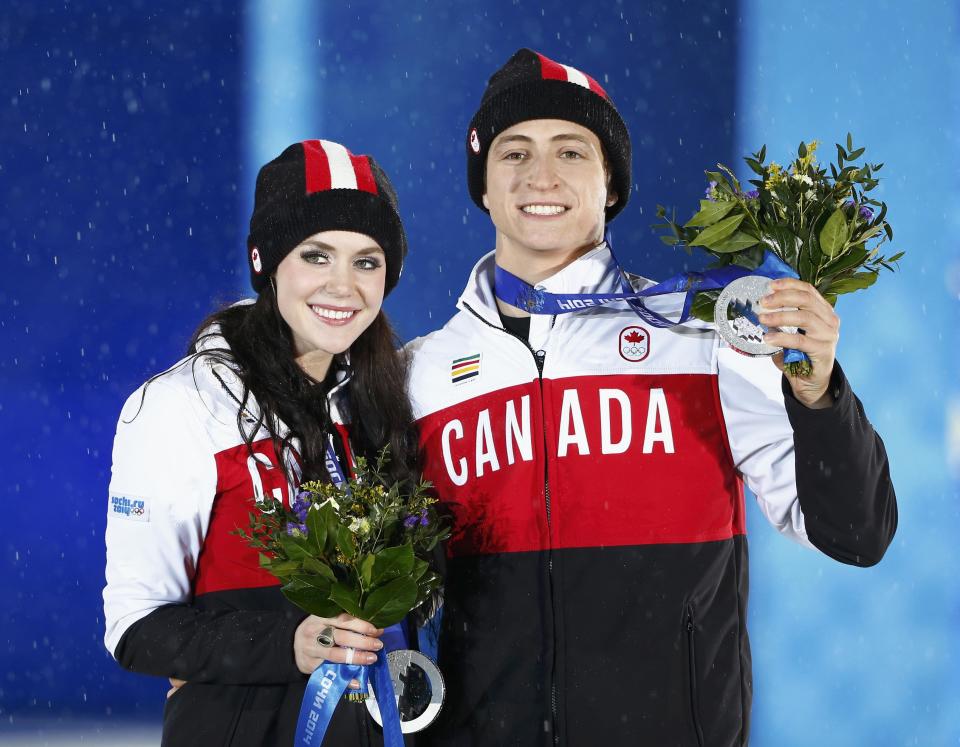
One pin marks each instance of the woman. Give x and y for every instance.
(265, 389)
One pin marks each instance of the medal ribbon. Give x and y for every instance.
(517, 292)
(329, 681)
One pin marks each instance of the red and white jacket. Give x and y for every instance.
(184, 596)
(597, 574)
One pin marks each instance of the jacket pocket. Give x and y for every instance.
(691, 629)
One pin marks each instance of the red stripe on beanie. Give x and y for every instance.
(316, 167)
(595, 87)
(361, 167)
(551, 70)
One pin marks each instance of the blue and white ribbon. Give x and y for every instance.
(327, 685)
(521, 294)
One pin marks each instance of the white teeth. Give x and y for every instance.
(331, 314)
(544, 209)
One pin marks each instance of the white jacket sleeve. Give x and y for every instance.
(161, 491)
(761, 437)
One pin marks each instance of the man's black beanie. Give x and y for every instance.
(531, 86)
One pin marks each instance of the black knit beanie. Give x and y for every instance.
(531, 86)
(319, 185)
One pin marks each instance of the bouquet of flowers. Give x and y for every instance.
(362, 548)
(822, 225)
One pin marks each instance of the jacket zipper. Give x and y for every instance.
(692, 666)
(539, 357)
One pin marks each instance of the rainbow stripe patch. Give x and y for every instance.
(465, 368)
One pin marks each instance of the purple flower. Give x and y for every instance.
(864, 212)
(301, 505)
(293, 529)
(411, 521)
(423, 518)
(752, 194)
(711, 192)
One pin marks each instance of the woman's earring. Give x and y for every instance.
(273, 283)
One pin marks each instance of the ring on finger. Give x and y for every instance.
(350, 653)
(326, 638)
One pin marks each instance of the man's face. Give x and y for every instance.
(546, 187)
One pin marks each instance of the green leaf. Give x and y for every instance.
(310, 599)
(670, 240)
(834, 234)
(854, 283)
(294, 547)
(388, 604)
(718, 232)
(847, 260)
(762, 155)
(720, 179)
(895, 257)
(365, 568)
(703, 304)
(739, 241)
(856, 154)
(348, 598)
(346, 542)
(731, 176)
(802, 150)
(710, 212)
(392, 563)
(419, 568)
(755, 166)
(317, 527)
(319, 568)
(849, 141)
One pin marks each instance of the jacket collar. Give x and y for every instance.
(594, 272)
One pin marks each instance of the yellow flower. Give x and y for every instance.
(775, 175)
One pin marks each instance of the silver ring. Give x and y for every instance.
(325, 638)
(350, 653)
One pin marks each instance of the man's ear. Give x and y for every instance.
(485, 203)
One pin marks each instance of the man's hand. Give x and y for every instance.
(821, 332)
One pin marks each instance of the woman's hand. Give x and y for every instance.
(175, 685)
(353, 641)
(821, 332)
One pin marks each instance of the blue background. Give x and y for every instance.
(130, 136)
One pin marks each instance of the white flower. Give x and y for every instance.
(803, 178)
(360, 526)
(318, 506)
(810, 195)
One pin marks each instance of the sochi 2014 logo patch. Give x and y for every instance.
(129, 507)
(634, 344)
(474, 140)
(256, 261)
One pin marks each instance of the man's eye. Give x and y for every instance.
(571, 155)
(514, 156)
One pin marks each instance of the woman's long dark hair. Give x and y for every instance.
(261, 352)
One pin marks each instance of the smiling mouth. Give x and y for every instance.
(542, 209)
(334, 315)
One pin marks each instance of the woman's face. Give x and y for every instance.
(329, 290)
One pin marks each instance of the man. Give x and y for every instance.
(594, 465)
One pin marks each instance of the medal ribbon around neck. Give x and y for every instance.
(329, 681)
(519, 293)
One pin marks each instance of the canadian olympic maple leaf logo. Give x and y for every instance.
(633, 343)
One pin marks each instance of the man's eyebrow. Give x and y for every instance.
(555, 138)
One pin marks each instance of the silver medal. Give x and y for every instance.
(736, 304)
(418, 687)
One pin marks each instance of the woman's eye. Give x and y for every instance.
(367, 263)
(571, 155)
(515, 156)
(315, 257)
